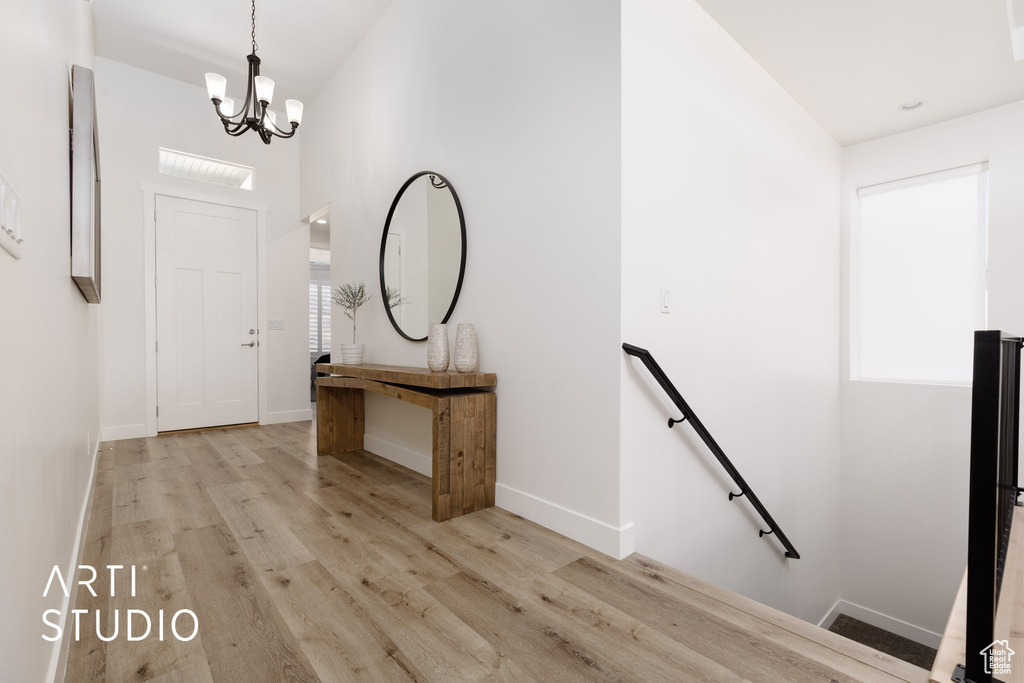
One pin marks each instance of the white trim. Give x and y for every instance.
(59, 658)
(263, 371)
(891, 624)
(290, 416)
(618, 542)
(149, 192)
(856, 272)
(830, 616)
(123, 432)
(853, 317)
(417, 462)
(149, 277)
(923, 179)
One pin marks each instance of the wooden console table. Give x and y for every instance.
(465, 413)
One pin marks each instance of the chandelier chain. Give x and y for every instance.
(254, 45)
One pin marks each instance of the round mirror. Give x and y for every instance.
(422, 255)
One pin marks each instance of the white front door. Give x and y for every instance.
(207, 372)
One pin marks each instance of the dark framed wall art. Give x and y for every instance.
(85, 185)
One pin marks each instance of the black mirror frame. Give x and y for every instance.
(384, 240)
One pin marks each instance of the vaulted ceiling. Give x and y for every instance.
(852, 63)
(849, 63)
(301, 42)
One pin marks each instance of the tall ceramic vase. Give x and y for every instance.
(466, 352)
(437, 347)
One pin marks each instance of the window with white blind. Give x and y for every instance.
(319, 309)
(918, 276)
(195, 167)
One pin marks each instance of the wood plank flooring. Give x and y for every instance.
(301, 568)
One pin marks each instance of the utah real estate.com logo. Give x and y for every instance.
(138, 624)
(997, 657)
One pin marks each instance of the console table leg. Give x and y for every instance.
(440, 480)
(464, 455)
(339, 420)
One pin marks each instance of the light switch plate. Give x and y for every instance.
(277, 324)
(664, 300)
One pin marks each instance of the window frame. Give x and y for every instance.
(980, 169)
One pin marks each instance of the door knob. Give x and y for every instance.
(252, 343)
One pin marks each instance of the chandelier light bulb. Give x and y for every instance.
(264, 89)
(294, 109)
(272, 118)
(216, 85)
(227, 107)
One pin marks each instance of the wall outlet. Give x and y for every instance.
(664, 300)
(277, 324)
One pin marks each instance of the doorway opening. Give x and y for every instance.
(319, 294)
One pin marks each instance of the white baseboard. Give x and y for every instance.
(830, 616)
(417, 462)
(289, 416)
(618, 542)
(891, 624)
(124, 432)
(139, 431)
(59, 659)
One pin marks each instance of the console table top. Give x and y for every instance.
(414, 377)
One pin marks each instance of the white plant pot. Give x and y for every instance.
(352, 354)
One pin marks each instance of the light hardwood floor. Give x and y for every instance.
(303, 568)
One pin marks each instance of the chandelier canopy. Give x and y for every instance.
(259, 93)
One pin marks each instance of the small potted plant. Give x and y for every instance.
(351, 297)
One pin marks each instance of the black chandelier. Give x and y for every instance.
(259, 92)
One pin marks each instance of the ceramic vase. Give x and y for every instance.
(465, 348)
(437, 347)
(352, 354)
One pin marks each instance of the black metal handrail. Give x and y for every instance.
(992, 492)
(688, 415)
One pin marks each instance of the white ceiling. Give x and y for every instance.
(301, 42)
(851, 63)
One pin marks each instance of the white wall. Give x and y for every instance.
(139, 112)
(49, 423)
(730, 199)
(518, 106)
(906, 447)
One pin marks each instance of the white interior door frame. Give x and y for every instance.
(149, 193)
